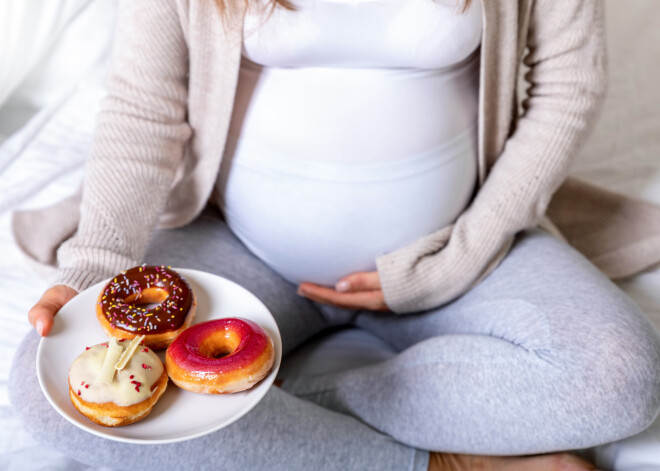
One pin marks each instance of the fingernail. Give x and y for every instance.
(40, 327)
(342, 286)
(300, 292)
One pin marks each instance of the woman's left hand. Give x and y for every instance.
(360, 290)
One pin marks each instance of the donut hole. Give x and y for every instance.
(220, 354)
(148, 298)
(219, 344)
(147, 306)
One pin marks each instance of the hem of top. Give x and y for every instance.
(461, 145)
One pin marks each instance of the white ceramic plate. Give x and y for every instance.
(178, 415)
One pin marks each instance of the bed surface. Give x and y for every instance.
(43, 145)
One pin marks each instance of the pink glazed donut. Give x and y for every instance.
(220, 356)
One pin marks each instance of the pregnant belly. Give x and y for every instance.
(319, 222)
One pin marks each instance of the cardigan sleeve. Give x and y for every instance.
(137, 146)
(567, 81)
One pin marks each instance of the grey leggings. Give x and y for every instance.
(544, 354)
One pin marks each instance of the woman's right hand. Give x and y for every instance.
(42, 314)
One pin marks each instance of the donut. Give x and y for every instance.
(121, 305)
(113, 397)
(220, 356)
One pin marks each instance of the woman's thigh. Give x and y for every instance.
(544, 354)
(207, 244)
(544, 298)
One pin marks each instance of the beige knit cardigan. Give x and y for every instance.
(160, 136)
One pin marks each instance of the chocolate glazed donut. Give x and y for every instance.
(122, 312)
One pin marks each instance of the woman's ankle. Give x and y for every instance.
(457, 462)
(549, 462)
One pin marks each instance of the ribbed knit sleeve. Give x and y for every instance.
(567, 80)
(137, 145)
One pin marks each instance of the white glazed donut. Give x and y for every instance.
(131, 392)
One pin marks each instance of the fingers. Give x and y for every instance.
(43, 312)
(359, 290)
(372, 300)
(361, 281)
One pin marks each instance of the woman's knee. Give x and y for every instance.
(621, 377)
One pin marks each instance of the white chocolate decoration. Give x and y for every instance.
(131, 385)
(113, 353)
(128, 353)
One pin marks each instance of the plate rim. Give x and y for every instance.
(267, 382)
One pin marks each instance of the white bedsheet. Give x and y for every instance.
(42, 163)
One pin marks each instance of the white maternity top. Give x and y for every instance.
(353, 132)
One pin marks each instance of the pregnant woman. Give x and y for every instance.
(366, 164)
